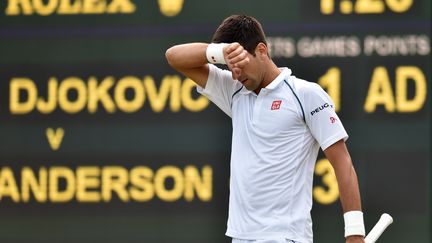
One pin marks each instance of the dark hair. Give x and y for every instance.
(243, 29)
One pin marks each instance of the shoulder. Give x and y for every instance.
(223, 77)
(220, 82)
(218, 73)
(310, 94)
(304, 88)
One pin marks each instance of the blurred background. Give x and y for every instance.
(101, 141)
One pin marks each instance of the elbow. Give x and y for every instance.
(170, 56)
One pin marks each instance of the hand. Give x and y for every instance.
(355, 239)
(236, 58)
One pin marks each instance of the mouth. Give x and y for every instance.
(244, 80)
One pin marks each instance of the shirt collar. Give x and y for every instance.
(285, 73)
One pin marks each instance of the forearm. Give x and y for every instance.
(191, 59)
(350, 200)
(349, 191)
(348, 188)
(187, 56)
(346, 176)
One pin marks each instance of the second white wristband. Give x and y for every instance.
(354, 224)
(215, 53)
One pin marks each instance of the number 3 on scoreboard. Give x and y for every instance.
(328, 193)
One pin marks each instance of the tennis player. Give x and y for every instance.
(279, 123)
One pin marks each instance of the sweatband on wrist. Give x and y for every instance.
(215, 53)
(354, 224)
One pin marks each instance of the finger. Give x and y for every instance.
(231, 47)
(242, 63)
(234, 73)
(238, 58)
(236, 52)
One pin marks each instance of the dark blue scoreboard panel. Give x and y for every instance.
(101, 141)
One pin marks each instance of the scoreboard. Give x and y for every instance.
(101, 141)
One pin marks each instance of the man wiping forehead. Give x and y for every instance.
(277, 133)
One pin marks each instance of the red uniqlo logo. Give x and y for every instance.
(276, 104)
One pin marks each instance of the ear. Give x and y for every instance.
(261, 50)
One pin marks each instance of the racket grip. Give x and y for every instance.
(379, 228)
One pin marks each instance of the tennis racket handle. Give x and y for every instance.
(379, 228)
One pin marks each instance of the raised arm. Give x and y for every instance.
(191, 60)
(346, 176)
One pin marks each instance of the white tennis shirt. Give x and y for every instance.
(275, 142)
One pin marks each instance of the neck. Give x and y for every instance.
(272, 71)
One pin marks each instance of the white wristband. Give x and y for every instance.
(354, 223)
(215, 53)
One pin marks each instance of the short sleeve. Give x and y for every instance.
(321, 117)
(220, 88)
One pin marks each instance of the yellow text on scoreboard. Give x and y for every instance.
(29, 7)
(92, 184)
(108, 94)
(169, 8)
